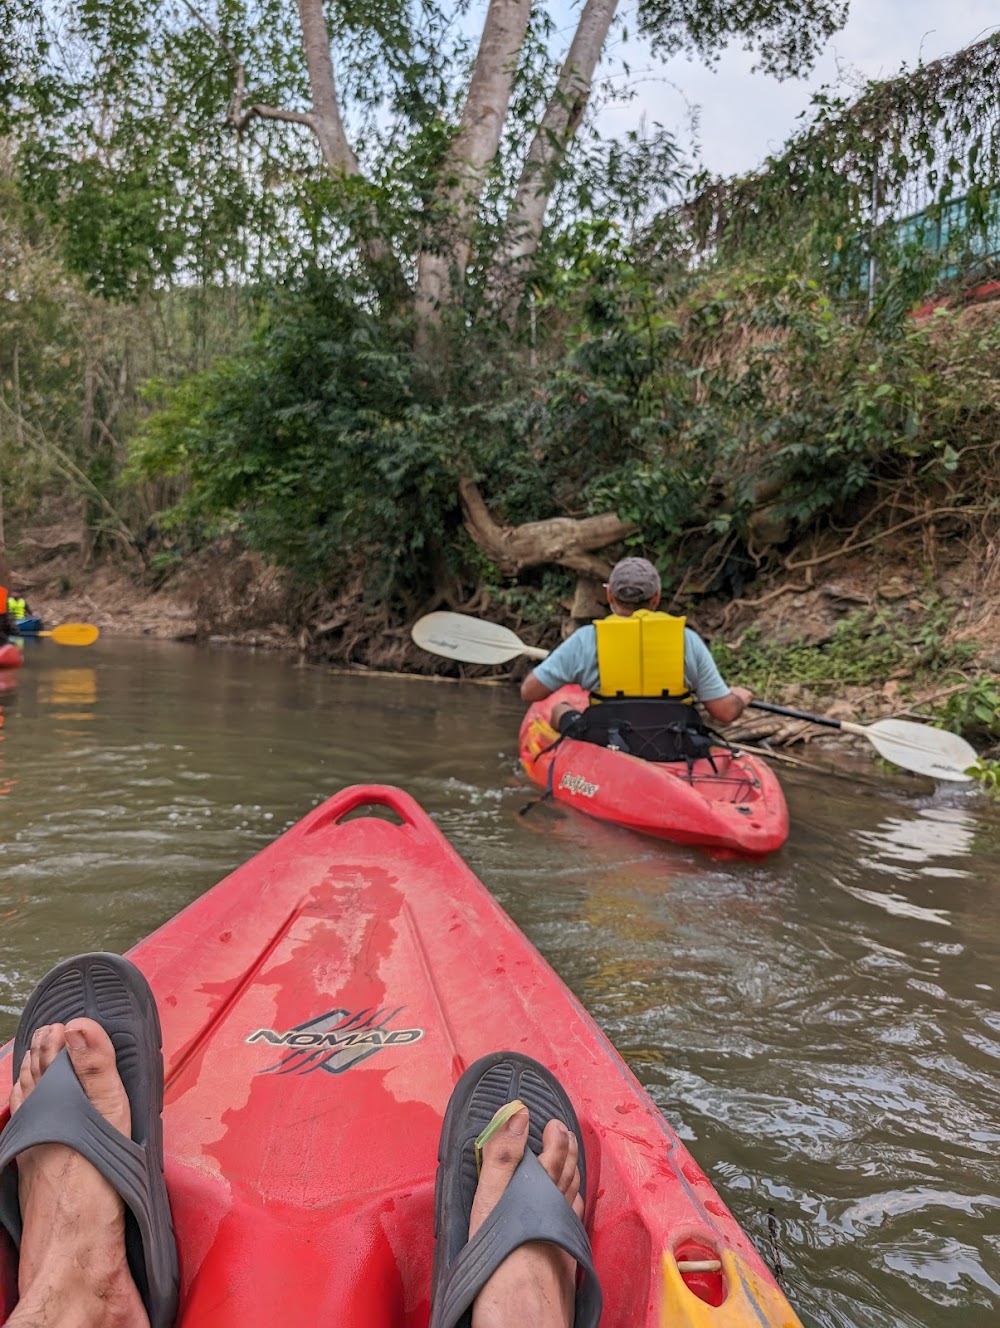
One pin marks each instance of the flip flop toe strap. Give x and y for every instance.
(531, 1208)
(58, 1111)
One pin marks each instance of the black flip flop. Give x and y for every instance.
(112, 991)
(531, 1207)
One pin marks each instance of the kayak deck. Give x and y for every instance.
(734, 804)
(317, 1007)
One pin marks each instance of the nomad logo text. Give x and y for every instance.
(335, 1041)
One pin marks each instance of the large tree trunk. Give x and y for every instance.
(441, 269)
(558, 125)
(326, 120)
(563, 540)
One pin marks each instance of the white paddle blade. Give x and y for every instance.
(918, 747)
(459, 636)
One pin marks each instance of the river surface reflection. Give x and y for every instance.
(823, 1028)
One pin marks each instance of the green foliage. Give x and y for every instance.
(683, 396)
(70, 368)
(974, 711)
(865, 646)
(135, 133)
(326, 440)
(539, 603)
(986, 773)
(671, 400)
(839, 187)
(680, 401)
(788, 34)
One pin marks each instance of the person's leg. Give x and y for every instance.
(72, 1271)
(535, 1286)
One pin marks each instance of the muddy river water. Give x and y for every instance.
(822, 1028)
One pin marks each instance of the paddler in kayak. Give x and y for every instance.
(645, 668)
(87, 1133)
(8, 625)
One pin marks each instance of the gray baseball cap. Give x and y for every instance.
(634, 581)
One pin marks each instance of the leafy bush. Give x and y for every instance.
(974, 711)
(683, 403)
(865, 646)
(987, 776)
(314, 442)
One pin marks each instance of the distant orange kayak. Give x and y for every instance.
(318, 1006)
(736, 805)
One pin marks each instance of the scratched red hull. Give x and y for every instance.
(300, 1160)
(738, 807)
(10, 657)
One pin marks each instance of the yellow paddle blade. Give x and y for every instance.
(73, 634)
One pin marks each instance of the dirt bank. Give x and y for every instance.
(216, 595)
(224, 595)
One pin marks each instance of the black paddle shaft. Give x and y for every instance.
(796, 714)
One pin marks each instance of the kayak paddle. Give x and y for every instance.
(72, 634)
(459, 636)
(917, 747)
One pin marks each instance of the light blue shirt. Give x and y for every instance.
(576, 661)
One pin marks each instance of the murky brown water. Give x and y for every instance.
(823, 1028)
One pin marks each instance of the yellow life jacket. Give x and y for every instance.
(642, 655)
(16, 606)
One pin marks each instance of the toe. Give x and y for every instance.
(51, 1041)
(22, 1083)
(93, 1057)
(570, 1180)
(560, 1156)
(501, 1156)
(35, 1051)
(555, 1152)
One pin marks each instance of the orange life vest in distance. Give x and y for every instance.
(3, 600)
(641, 655)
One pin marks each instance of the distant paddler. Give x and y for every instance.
(10, 656)
(8, 626)
(638, 654)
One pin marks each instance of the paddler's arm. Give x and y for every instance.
(726, 709)
(703, 679)
(574, 660)
(533, 690)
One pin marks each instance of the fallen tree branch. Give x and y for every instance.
(566, 541)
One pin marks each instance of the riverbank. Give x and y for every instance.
(876, 633)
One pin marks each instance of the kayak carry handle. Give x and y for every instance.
(732, 1297)
(348, 800)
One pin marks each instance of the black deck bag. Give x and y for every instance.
(654, 728)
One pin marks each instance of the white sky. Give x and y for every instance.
(744, 116)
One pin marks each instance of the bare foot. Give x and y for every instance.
(535, 1287)
(72, 1271)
